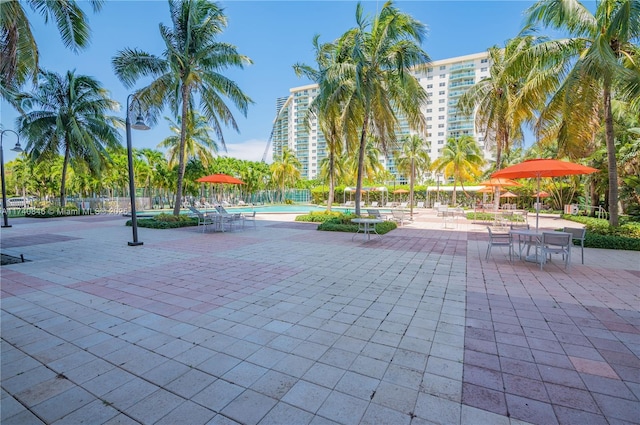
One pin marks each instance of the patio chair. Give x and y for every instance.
(203, 219)
(249, 217)
(376, 214)
(230, 218)
(398, 216)
(577, 234)
(420, 204)
(556, 243)
(499, 239)
(374, 204)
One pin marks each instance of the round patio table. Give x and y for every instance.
(366, 226)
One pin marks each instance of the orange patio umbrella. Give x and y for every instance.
(508, 195)
(499, 182)
(485, 190)
(219, 178)
(542, 168)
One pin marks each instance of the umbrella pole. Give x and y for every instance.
(538, 202)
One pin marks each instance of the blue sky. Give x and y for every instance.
(275, 35)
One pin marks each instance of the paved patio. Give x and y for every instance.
(286, 325)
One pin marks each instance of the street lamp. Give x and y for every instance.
(138, 125)
(16, 148)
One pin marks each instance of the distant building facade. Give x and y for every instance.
(444, 80)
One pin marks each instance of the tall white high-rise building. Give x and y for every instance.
(444, 80)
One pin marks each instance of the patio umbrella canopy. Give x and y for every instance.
(219, 178)
(508, 195)
(542, 168)
(499, 182)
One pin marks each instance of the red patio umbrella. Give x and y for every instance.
(542, 168)
(219, 178)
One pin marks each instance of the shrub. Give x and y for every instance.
(600, 234)
(342, 223)
(318, 216)
(166, 221)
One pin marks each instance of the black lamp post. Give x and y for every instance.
(138, 125)
(16, 148)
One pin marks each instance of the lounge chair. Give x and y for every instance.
(376, 214)
(420, 204)
(398, 216)
(203, 219)
(230, 218)
(374, 204)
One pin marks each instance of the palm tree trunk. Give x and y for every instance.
(361, 152)
(65, 163)
(611, 157)
(183, 137)
(412, 177)
(332, 180)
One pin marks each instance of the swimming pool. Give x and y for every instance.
(260, 209)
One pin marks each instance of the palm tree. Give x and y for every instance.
(198, 143)
(413, 159)
(327, 108)
(372, 79)
(497, 99)
(191, 65)
(68, 113)
(597, 60)
(285, 171)
(461, 159)
(18, 47)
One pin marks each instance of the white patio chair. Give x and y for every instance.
(555, 243)
(249, 217)
(577, 234)
(499, 239)
(203, 219)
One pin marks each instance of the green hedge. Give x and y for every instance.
(166, 221)
(600, 234)
(318, 216)
(342, 223)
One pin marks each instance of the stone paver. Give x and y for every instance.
(282, 324)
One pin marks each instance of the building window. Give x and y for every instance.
(428, 126)
(443, 67)
(440, 117)
(441, 109)
(430, 77)
(429, 102)
(440, 142)
(429, 86)
(443, 84)
(440, 125)
(429, 110)
(483, 69)
(441, 92)
(428, 118)
(484, 61)
(441, 101)
(440, 133)
(443, 76)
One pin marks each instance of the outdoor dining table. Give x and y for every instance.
(525, 238)
(366, 226)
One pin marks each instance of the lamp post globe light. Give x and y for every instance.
(16, 148)
(138, 125)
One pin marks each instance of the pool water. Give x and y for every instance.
(268, 209)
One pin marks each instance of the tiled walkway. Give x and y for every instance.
(287, 325)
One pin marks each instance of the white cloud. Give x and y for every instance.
(251, 150)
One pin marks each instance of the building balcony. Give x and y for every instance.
(460, 75)
(470, 65)
(465, 83)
